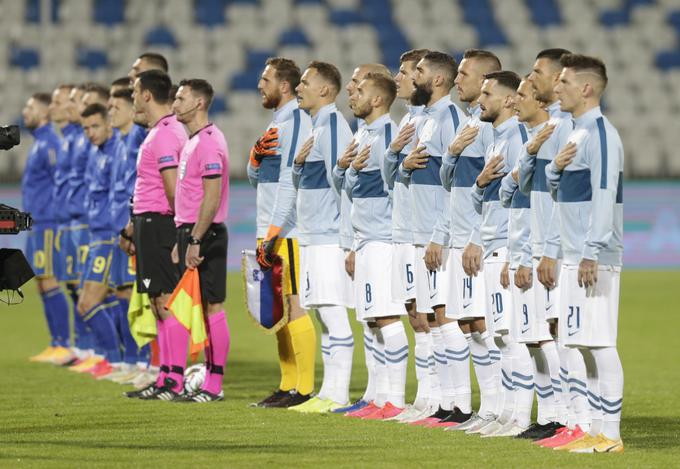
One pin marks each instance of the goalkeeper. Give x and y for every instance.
(270, 172)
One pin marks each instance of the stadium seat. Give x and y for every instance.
(224, 41)
(160, 36)
(24, 58)
(92, 59)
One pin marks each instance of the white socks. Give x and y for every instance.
(422, 351)
(340, 348)
(369, 339)
(488, 386)
(610, 378)
(593, 392)
(544, 390)
(457, 354)
(441, 365)
(523, 382)
(396, 360)
(578, 390)
(382, 383)
(549, 352)
(505, 405)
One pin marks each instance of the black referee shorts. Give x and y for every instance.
(155, 236)
(213, 270)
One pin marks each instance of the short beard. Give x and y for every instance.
(421, 95)
(488, 117)
(362, 113)
(272, 101)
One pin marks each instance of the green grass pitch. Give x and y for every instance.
(50, 417)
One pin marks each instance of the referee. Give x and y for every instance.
(201, 204)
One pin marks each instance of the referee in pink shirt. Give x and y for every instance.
(151, 234)
(201, 205)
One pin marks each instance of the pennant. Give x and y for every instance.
(265, 301)
(140, 317)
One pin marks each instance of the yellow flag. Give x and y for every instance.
(141, 318)
(185, 304)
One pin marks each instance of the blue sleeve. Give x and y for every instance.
(477, 194)
(553, 176)
(507, 190)
(446, 171)
(527, 166)
(605, 154)
(391, 163)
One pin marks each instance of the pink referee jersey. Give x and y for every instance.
(205, 155)
(160, 150)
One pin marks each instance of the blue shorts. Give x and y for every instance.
(122, 269)
(40, 249)
(80, 238)
(66, 255)
(98, 262)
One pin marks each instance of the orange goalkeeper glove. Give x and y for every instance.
(265, 251)
(265, 146)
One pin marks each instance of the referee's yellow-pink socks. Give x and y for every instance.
(303, 339)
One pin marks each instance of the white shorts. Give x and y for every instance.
(372, 287)
(529, 325)
(403, 273)
(465, 299)
(498, 299)
(545, 299)
(431, 287)
(589, 317)
(323, 279)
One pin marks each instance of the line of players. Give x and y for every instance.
(497, 231)
(105, 159)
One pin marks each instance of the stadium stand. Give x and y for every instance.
(226, 41)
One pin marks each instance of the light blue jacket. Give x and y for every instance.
(402, 219)
(545, 220)
(589, 193)
(318, 201)
(273, 178)
(430, 202)
(519, 223)
(368, 189)
(509, 137)
(459, 175)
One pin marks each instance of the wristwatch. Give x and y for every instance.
(194, 241)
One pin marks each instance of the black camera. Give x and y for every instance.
(9, 136)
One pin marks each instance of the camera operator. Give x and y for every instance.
(37, 187)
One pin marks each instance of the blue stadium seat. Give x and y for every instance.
(32, 11)
(294, 37)
(343, 18)
(245, 80)
(614, 18)
(256, 57)
(674, 19)
(667, 60)
(160, 36)
(219, 106)
(92, 59)
(309, 2)
(209, 13)
(544, 12)
(109, 12)
(25, 58)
